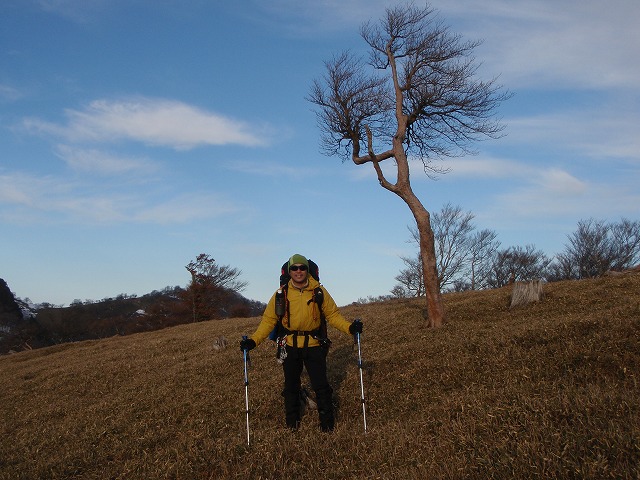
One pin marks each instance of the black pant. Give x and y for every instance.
(314, 359)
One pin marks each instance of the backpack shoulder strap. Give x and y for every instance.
(318, 297)
(281, 308)
(282, 302)
(322, 336)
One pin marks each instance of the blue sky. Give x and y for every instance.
(136, 134)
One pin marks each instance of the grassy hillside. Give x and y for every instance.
(549, 390)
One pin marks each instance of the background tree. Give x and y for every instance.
(410, 279)
(426, 103)
(483, 248)
(452, 232)
(625, 239)
(209, 284)
(597, 247)
(518, 264)
(463, 258)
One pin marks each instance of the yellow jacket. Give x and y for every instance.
(304, 315)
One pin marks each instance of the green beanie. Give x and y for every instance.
(298, 259)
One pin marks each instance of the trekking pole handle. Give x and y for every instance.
(247, 360)
(356, 336)
(356, 340)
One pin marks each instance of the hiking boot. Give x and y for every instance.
(324, 399)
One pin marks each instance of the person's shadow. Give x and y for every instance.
(340, 360)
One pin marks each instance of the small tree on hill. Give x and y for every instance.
(208, 284)
(426, 103)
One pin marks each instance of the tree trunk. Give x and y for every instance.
(435, 308)
(402, 188)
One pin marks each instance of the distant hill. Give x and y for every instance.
(23, 327)
(17, 322)
(546, 390)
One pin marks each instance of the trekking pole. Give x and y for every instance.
(364, 411)
(245, 354)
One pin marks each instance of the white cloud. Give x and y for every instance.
(151, 121)
(561, 184)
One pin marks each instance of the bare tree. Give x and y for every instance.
(482, 249)
(518, 264)
(426, 103)
(452, 229)
(452, 234)
(625, 239)
(464, 259)
(596, 247)
(410, 280)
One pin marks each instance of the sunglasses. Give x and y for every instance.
(295, 268)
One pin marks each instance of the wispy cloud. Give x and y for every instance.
(74, 10)
(159, 122)
(607, 132)
(49, 199)
(271, 169)
(186, 208)
(9, 93)
(103, 163)
(557, 197)
(24, 190)
(310, 19)
(530, 43)
(539, 44)
(542, 182)
(486, 167)
(467, 167)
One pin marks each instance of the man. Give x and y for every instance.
(302, 340)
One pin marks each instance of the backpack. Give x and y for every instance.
(282, 305)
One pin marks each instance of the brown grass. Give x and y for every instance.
(548, 390)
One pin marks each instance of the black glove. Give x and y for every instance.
(247, 344)
(355, 327)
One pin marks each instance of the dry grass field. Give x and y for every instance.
(547, 390)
